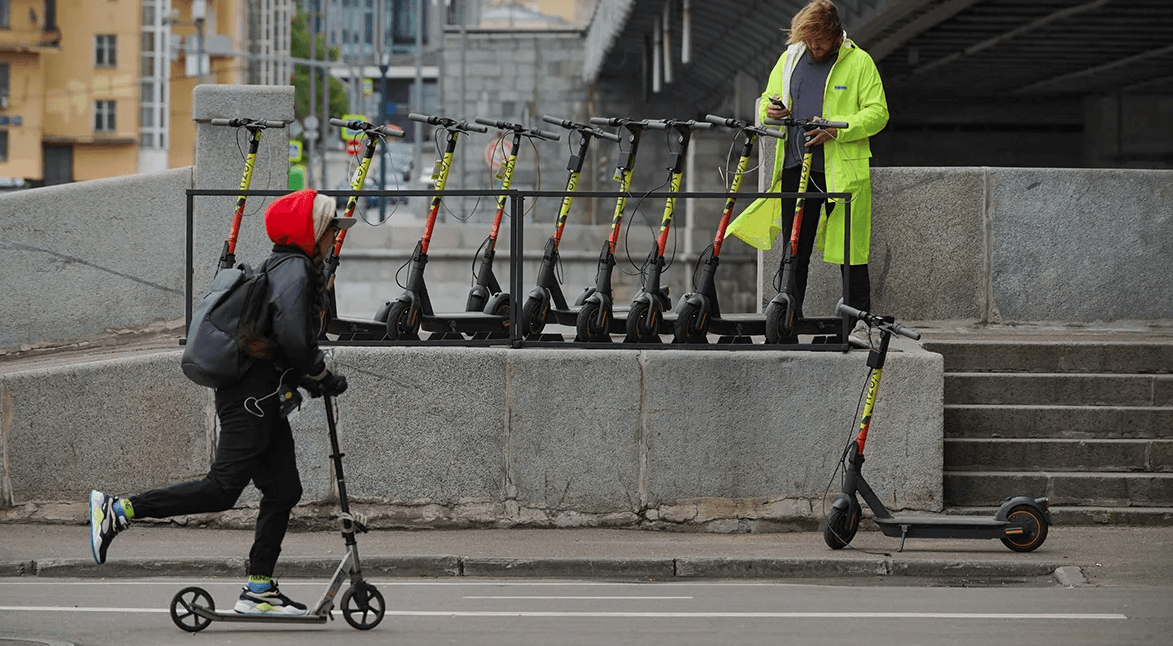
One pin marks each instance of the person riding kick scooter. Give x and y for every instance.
(255, 441)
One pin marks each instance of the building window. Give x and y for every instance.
(3, 85)
(5, 10)
(3, 145)
(105, 116)
(106, 50)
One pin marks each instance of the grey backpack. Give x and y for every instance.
(212, 355)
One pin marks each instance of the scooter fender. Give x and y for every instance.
(478, 299)
(1013, 501)
(693, 298)
(587, 292)
(844, 502)
(495, 302)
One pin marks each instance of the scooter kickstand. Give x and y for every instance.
(903, 535)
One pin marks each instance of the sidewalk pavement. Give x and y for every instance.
(1084, 555)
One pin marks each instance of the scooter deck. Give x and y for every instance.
(273, 618)
(937, 526)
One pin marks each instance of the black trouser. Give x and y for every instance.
(859, 291)
(253, 448)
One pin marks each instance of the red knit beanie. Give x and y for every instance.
(289, 220)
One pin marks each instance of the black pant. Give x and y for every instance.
(253, 448)
(860, 289)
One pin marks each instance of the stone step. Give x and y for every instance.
(1032, 454)
(983, 488)
(1059, 389)
(1067, 355)
(1088, 422)
(1068, 515)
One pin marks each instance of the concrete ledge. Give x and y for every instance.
(449, 437)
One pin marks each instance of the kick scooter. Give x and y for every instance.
(651, 301)
(362, 605)
(546, 298)
(697, 311)
(255, 128)
(595, 318)
(486, 295)
(1021, 522)
(412, 310)
(351, 328)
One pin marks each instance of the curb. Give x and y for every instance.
(657, 569)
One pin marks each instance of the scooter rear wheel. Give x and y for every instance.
(841, 527)
(1034, 529)
(362, 606)
(183, 612)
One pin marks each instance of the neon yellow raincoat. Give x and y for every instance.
(854, 94)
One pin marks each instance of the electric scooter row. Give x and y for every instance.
(1020, 523)
(254, 127)
(362, 605)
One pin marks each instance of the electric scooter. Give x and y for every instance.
(782, 314)
(255, 128)
(486, 295)
(1021, 522)
(546, 299)
(700, 310)
(595, 318)
(353, 328)
(646, 315)
(362, 605)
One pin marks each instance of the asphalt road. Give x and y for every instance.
(497, 612)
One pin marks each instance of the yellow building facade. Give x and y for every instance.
(102, 88)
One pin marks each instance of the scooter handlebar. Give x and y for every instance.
(237, 123)
(358, 124)
(572, 125)
(741, 124)
(805, 124)
(873, 320)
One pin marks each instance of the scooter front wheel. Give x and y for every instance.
(1034, 529)
(780, 323)
(842, 523)
(692, 323)
(643, 321)
(399, 323)
(183, 606)
(533, 315)
(362, 606)
(593, 322)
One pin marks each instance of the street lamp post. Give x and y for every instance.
(384, 63)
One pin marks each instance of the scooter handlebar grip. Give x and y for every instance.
(340, 123)
(722, 121)
(606, 121)
(422, 118)
(221, 122)
(552, 136)
(563, 123)
(609, 136)
(473, 127)
(491, 123)
(273, 124)
(847, 310)
(655, 124)
(387, 132)
(908, 332)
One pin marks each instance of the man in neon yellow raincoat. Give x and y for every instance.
(822, 74)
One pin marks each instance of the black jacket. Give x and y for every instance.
(292, 326)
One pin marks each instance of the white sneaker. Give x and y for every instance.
(860, 336)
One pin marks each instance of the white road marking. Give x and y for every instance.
(585, 598)
(659, 615)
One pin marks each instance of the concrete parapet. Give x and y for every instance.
(727, 441)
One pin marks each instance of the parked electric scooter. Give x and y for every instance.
(352, 329)
(486, 295)
(700, 310)
(362, 605)
(595, 318)
(254, 127)
(646, 315)
(1020, 523)
(546, 300)
(782, 315)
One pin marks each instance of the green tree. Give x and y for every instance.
(300, 48)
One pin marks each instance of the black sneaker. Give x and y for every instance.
(269, 602)
(105, 524)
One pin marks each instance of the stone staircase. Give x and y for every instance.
(1086, 421)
